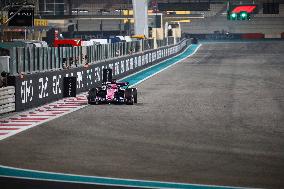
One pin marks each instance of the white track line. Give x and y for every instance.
(34, 117)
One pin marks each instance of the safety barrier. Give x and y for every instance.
(39, 88)
(37, 59)
(7, 99)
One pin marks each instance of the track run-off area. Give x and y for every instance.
(214, 119)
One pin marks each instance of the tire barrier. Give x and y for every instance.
(7, 99)
(36, 89)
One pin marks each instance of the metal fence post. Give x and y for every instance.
(112, 50)
(56, 57)
(108, 50)
(32, 59)
(80, 55)
(126, 48)
(36, 56)
(74, 56)
(48, 51)
(77, 55)
(60, 57)
(40, 58)
(26, 60)
(91, 50)
(90, 54)
(104, 51)
(119, 49)
(95, 53)
(20, 58)
(13, 61)
(100, 52)
(64, 56)
(68, 56)
(52, 62)
(45, 51)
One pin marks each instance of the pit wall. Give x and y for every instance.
(36, 89)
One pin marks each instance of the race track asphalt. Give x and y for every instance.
(215, 118)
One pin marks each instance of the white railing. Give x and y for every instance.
(7, 99)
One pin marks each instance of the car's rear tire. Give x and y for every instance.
(92, 98)
(135, 94)
(129, 96)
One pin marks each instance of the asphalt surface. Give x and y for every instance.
(215, 118)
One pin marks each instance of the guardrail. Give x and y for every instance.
(38, 59)
(7, 99)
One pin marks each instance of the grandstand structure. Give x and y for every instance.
(100, 17)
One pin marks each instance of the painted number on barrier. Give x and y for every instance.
(127, 65)
(27, 91)
(116, 68)
(131, 64)
(139, 61)
(89, 77)
(97, 74)
(43, 87)
(122, 67)
(80, 83)
(56, 84)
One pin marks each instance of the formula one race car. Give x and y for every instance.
(112, 92)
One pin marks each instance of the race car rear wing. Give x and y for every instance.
(122, 84)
